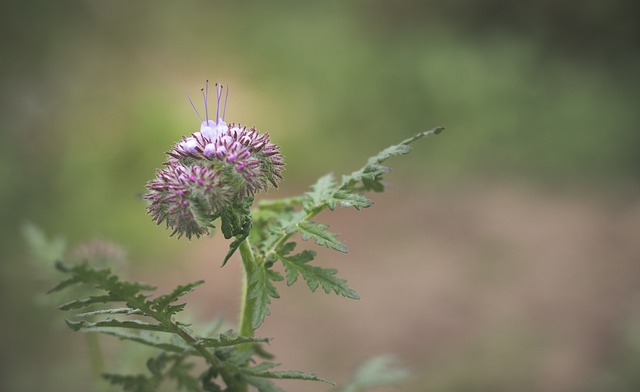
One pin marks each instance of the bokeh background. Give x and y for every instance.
(504, 256)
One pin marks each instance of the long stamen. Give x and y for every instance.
(193, 106)
(206, 99)
(218, 94)
(226, 98)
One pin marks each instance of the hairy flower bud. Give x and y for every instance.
(210, 171)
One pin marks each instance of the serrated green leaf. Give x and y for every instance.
(370, 175)
(125, 311)
(347, 199)
(264, 366)
(149, 338)
(315, 276)
(261, 290)
(288, 248)
(161, 303)
(83, 303)
(291, 264)
(235, 244)
(63, 285)
(236, 221)
(319, 233)
(321, 193)
(224, 340)
(128, 324)
(263, 371)
(102, 279)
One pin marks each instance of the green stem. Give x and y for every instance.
(247, 305)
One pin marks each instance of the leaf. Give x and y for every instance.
(368, 178)
(102, 279)
(226, 339)
(65, 283)
(315, 276)
(263, 370)
(83, 303)
(347, 199)
(325, 193)
(236, 222)
(129, 324)
(318, 232)
(379, 371)
(235, 244)
(125, 311)
(148, 338)
(261, 290)
(161, 303)
(321, 193)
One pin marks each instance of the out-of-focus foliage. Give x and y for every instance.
(92, 91)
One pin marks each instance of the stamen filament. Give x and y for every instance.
(193, 106)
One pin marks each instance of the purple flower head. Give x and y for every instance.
(251, 155)
(212, 170)
(187, 198)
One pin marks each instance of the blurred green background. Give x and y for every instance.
(530, 196)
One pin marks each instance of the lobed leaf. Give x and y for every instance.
(227, 339)
(148, 338)
(315, 276)
(320, 194)
(161, 303)
(236, 222)
(128, 324)
(125, 311)
(319, 233)
(64, 284)
(368, 178)
(261, 290)
(348, 199)
(263, 371)
(83, 303)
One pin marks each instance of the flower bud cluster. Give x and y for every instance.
(211, 171)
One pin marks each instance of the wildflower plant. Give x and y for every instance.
(209, 180)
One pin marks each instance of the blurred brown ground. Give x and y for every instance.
(472, 288)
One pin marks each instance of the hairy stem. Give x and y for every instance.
(247, 305)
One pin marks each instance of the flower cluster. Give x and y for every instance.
(211, 171)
